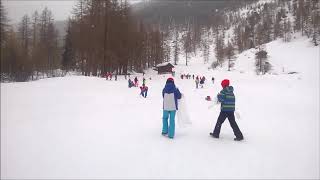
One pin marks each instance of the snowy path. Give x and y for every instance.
(62, 128)
(86, 127)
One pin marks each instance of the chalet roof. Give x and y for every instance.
(164, 64)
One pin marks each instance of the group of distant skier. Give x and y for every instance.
(143, 88)
(186, 76)
(109, 75)
(200, 80)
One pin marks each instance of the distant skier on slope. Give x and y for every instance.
(130, 83)
(144, 90)
(202, 79)
(170, 94)
(197, 82)
(107, 75)
(227, 99)
(136, 81)
(143, 81)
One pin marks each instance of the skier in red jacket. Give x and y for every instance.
(144, 90)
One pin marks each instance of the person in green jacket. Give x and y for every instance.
(227, 99)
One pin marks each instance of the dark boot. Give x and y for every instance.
(238, 139)
(215, 136)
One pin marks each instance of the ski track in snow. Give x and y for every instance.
(87, 127)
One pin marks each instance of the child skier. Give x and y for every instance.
(136, 81)
(227, 99)
(170, 95)
(144, 90)
(130, 83)
(143, 81)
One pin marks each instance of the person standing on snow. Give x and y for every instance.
(227, 99)
(130, 83)
(144, 90)
(197, 82)
(143, 81)
(170, 94)
(202, 79)
(107, 75)
(136, 81)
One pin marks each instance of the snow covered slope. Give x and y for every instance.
(284, 57)
(87, 127)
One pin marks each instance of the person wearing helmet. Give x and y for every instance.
(227, 99)
(170, 94)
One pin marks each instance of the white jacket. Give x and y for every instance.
(169, 102)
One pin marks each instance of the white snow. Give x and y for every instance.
(87, 127)
(163, 64)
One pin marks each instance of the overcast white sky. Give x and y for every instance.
(61, 9)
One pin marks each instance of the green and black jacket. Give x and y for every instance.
(227, 99)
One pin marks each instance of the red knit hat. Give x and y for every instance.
(170, 79)
(225, 83)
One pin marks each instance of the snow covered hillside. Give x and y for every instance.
(87, 127)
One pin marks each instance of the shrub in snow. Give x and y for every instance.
(215, 64)
(262, 64)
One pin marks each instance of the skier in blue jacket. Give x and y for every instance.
(170, 94)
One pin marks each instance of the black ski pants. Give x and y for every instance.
(222, 117)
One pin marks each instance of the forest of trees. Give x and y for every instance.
(280, 19)
(32, 51)
(251, 25)
(106, 36)
(102, 36)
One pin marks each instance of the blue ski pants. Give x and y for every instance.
(144, 93)
(171, 128)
